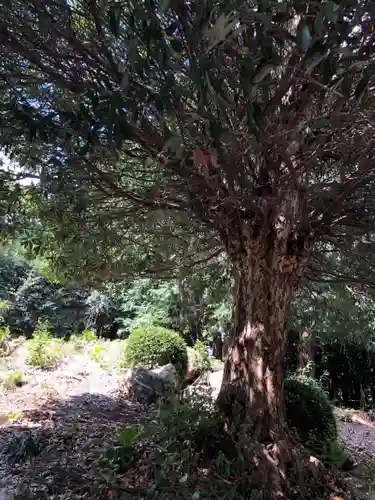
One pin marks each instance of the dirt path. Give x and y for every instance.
(72, 413)
(358, 437)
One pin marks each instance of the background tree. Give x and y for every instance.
(249, 125)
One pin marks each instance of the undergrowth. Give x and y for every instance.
(190, 452)
(334, 456)
(81, 340)
(24, 448)
(97, 354)
(42, 350)
(199, 359)
(4, 337)
(119, 457)
(13, 379)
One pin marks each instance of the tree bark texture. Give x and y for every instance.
(267, 271)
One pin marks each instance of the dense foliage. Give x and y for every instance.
(29, 296)
(197, 305)
(156, 346)
(309, 412)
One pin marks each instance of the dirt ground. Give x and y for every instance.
(358, 437)
(75, 410)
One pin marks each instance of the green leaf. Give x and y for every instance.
(127, 436)
(164, 6)
(319, 25)
(314, 63)
(303, 38)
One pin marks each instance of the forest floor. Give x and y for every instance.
(357, 434)
(74, 411)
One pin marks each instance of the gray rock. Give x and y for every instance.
(208, 384)
(168, 374)
(146, 386)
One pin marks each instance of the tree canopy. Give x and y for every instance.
(164, 112)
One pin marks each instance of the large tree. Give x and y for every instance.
(248, 124)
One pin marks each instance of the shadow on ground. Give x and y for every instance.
(68, 436)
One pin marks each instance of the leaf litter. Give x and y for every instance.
(70, 416)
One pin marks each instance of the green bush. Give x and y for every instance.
(14, 379)
(309, 413)
(42, 350)
(199, 359)
(153, 345)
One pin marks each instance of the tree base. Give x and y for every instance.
(279, 470)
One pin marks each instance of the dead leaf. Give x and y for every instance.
(200, 158)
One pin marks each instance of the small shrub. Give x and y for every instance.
(152, 346)
(199, 359)
(309, 412)
(14, 417)
(43, 351)
(191, 420)
(4, 337)
(97, 353)
(89, 336)
(190, 436)
(119, 457)
(22, 448)
(14, 379)
(77, 342)
(80, 340)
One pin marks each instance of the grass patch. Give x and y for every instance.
(14, 416)
(76, 342)
(13, 379)
(89, 336)
(108, 354)
(120, 457)
(80, 341)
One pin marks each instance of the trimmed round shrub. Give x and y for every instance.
(309, 412)
(156, 346)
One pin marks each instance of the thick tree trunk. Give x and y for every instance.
(252, 390)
